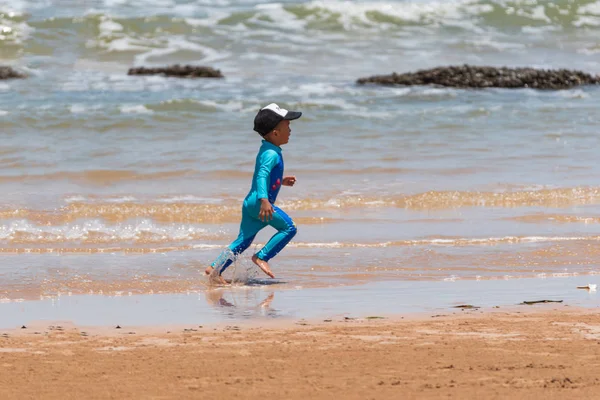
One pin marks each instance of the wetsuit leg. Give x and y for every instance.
(286, 231)
(249, 227)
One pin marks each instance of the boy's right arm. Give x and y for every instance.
(266, 210)
(266, 163)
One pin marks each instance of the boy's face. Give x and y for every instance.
(281, 133)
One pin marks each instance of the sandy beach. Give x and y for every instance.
(549, 352)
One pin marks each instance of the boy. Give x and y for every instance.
(258, 210)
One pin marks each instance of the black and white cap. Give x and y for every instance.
(268, 117)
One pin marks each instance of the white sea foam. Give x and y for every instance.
(539, 13)
(366, 113)
(432, 12)
(84, 81)
(448, 242)
(452, 278)
(75, 199)
(229, 106)
(207, 246)
(13, 31)
(189, 199)
(212, 19)
(123, 199)
(487, 42)
(98, 231)
(432, 93)
(317, 89)
(135, 109)
(177, 43)
(279, 58)
(122, 44)
(589, 51)
(573, 94)
(84, 109)
(184, 198)
(148, 3)
(539, 30)
(564, 274)
(112, 199)
(278, 16)
(108, 27)
(77, 109)
(586, 21)
(350, 15)
(591, 8)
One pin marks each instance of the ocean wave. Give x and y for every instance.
(193, 105)
(448, 242)
(135, 109)
(97, 177)
(13, 28)
(463, 14)
(339, 15)
(93, 236)
(133, 249)
(197, 32)
(94, 232)
(174, 209)
(436, 200)
(556, 218)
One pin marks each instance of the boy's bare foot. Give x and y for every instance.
(214, 277)
(263, 265)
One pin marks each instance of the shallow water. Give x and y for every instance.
(269, 303)
(132, 184)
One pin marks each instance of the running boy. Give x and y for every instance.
(258, 210)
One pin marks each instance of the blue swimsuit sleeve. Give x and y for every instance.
(267, 161)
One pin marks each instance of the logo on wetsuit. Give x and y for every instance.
(276, 184)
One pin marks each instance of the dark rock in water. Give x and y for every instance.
(467, 76)
(10, 73)
(180, 71)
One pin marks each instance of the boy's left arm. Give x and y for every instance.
(288, 181)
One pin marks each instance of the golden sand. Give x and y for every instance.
(551, 354)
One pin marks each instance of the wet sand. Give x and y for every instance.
(265, 301)
(550, 352)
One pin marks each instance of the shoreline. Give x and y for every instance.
(262, 304)
(46, 327)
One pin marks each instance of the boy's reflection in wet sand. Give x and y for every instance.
(216, 298)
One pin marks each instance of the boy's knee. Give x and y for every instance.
(240, 247)
(292, 230)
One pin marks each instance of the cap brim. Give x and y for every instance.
(292, 115)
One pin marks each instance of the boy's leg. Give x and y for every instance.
(286, 230)
(249, 227)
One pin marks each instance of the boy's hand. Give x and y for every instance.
(266, 210)
(288, 181)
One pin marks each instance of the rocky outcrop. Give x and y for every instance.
(10, 73)
(467, 76)
(179, 71)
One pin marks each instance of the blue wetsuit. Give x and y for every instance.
(266, 182)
